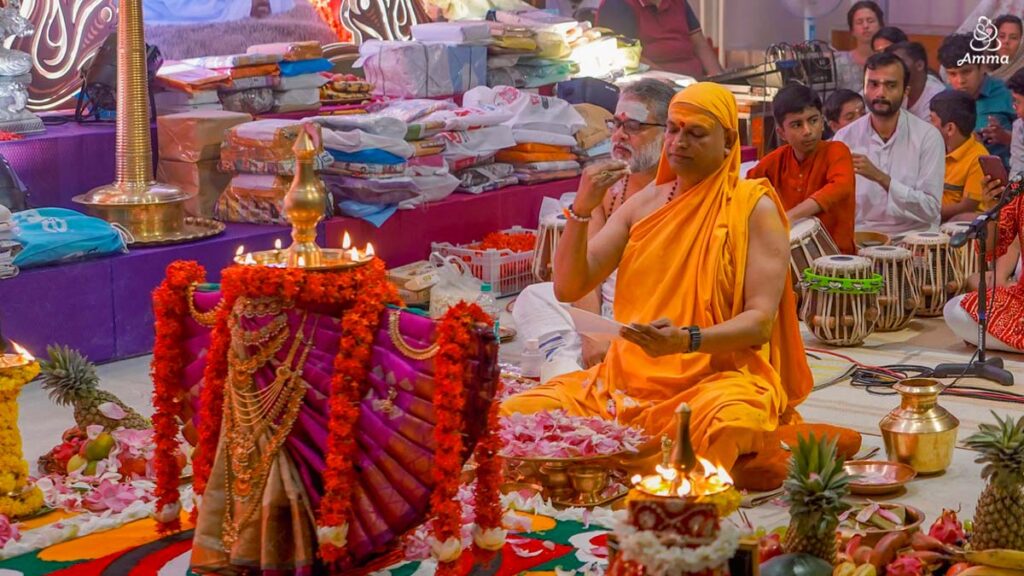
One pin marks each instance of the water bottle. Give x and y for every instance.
(531, 359)
(486, 301)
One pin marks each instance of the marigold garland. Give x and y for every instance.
(351, 366)
(167, 370)
(18, 495)
(451, 371)
(487, 499)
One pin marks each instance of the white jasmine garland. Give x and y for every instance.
(646, 548)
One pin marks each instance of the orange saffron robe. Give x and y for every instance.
(826, 176)
(687, 262)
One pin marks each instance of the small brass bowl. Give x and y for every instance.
(524, 489)
(589, 482)
(873, 472)
(914, 520)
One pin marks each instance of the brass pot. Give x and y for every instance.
(920, 433)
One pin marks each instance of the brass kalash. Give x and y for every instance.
(304, 207)
(152, 212)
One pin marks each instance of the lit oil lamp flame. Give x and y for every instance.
(346, 241)
(249, 259)
(709, 468)
(240, 250)
(723, 475)
(22, 352)
(302, 261)
(636, 479)
(353, 254)
(277, 244)
(685, 488)
(369, 250)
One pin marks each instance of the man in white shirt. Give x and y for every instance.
(899, 159)
(922, 86)
(1016, 86)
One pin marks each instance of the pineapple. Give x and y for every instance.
(71, 379)
(999, 518)
(815, 489)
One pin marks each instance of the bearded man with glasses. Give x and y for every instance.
(637, 133)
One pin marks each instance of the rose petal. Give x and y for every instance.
(112, 411)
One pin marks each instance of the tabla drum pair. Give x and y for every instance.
(551, 229)
(934, 269)
(808, 241)
(901, 293)
(841, 300)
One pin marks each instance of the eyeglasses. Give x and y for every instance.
(629, 126)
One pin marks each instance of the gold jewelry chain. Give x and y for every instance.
(245, 478)
(208, 318)
(396, 338)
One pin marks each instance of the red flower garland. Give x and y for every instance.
(170, 308)
(351, 366)
(450, 374)
(487, 501)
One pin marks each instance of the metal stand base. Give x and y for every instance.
(24, 122)
(989, 369)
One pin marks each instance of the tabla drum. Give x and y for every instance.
(547, 241)
(841, 303)
(808, 241)
(901, 294)
(933, 268)
(965, 258)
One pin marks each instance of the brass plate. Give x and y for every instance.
(331, 259)
(900, 473)
(195, 229)
(577, 503)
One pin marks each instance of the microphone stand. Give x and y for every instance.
(983, 367)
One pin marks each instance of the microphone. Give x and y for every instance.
(1013, 189)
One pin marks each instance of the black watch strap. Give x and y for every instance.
(695, 338)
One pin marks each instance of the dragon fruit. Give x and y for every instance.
(947, 529)
(906, 566)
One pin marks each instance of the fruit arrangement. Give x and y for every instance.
(815, 489)
(71, 380)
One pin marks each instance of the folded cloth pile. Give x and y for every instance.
(6, 224)
(459, 32)
(300, 89)
(261, 158)
(543, 128)
(345, 89)
(593, 141)
(251, 79)
(368, 177)
(182, 87)
(413, 69)
(190, 144)
(533, 48)
(8, 247)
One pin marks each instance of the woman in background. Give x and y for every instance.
(864, 19)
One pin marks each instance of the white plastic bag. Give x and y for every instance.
(455, 283)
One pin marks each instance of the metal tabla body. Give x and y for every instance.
(964, 258)
(547, 242)
(808, 241)
(901, 294)
(933, 267)
(841, 304)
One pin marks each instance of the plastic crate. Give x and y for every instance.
(508, 272)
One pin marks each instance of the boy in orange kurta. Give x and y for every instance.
(812, 177)
(703, 260)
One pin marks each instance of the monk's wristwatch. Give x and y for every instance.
(695, 337)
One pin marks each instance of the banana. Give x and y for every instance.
(997, 558)
(865, 570)
(845, 569)
(990, 571)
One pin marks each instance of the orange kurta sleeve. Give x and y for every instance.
(839, 184)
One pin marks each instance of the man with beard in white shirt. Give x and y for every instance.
(922, 86)
(637, 133)
(899, 159)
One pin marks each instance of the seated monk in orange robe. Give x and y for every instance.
(700, 249)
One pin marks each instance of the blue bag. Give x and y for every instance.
(54, 235)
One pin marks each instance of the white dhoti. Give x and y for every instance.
(965, 328)
(539, 315)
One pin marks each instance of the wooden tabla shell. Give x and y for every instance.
(808, 241)
(964, 258)
(547, 242)
(841, 319)
(933, 268)
(901, 294)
